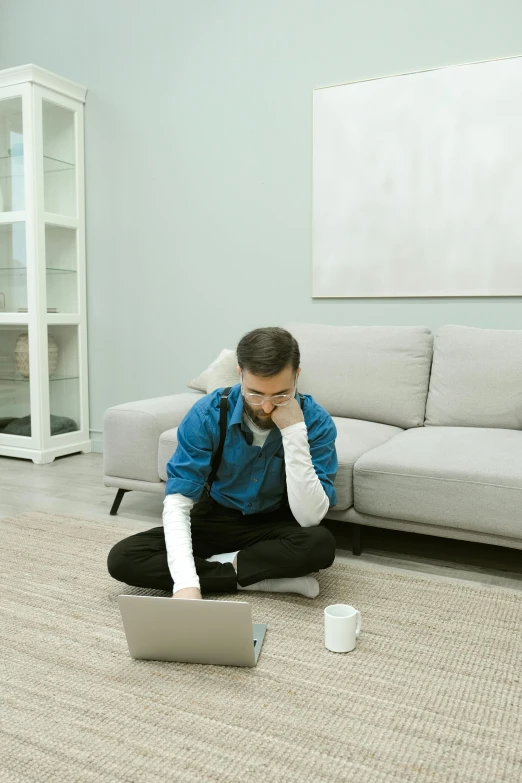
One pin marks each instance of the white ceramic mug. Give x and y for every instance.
(342, 626)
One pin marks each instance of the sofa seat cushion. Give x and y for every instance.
(462, 477)
(354, 437)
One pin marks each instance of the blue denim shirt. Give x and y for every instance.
(250, 478)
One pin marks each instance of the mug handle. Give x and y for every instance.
(358, 624)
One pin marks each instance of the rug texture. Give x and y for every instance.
(432, 693)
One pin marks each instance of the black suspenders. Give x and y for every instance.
(216, 459)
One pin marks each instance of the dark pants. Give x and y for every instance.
(271, 545)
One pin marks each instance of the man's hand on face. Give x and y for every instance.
(286, 415)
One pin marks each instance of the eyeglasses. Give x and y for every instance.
(258, 399)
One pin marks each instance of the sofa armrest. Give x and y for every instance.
(132, 432)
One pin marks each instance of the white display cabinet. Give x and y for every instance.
(43, 330)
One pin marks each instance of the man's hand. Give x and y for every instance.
(286, 415)
(188, 592)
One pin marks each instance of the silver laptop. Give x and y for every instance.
(187, 630)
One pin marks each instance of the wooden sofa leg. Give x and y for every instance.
(356, 540)
(117, 501)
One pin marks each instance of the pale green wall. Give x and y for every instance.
(198, 147)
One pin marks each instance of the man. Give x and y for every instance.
(258, 529)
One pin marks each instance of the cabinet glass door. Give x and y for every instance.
(61, 259)
(12, 194)
(15, 396)
(13, 268)
(64, 379)
(59, 150)
(13, 263)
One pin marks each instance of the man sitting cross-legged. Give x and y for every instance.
(258, 528)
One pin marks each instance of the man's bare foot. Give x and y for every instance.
(187, 592)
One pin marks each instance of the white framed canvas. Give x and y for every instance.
(417, 184)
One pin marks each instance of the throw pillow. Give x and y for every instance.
(221, 372)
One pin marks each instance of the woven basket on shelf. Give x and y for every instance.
(21, 353)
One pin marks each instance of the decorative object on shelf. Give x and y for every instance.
(21, 353)
(16, 149)
(59, 425)
(5, 422)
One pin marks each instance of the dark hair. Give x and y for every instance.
(265, 352)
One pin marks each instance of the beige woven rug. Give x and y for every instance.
(433, 691)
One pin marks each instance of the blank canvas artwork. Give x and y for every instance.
(417, 184)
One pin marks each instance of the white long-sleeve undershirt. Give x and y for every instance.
(308, 500)
(306, 496)
(178, 540)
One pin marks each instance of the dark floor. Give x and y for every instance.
(450, 551)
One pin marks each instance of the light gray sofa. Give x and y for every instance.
(429, 429)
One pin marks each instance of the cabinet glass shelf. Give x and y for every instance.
(12, 378)
(22, 270)
(13, 166)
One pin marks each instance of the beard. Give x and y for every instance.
(258, 416)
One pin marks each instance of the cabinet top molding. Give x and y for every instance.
(37, 75)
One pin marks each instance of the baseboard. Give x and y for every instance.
(97, 441)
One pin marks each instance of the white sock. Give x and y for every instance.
(304, 585)
(223, 557)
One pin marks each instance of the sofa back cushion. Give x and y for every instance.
(374, 373)
(476, 378)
